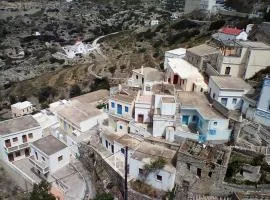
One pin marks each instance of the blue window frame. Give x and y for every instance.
(200, 123)
(212, 132)
(119, 109)
(185, 119)
(126, 108)
(121, 127)
(112, 104)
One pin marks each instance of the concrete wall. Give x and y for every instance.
(160, 125)
(20, 112)
(55, 164)
(124, 113)
(168, 178)
(143, 109)
(92, 121)
(168, 108)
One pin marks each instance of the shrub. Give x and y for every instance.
(216, 25)
(46, 92)
(184, 24)
(75, 90)
(104, 196)
(112, 69)
(100, 84)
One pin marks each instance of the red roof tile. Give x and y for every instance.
(230, 31)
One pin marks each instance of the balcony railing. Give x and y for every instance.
(16, 148)
(40, 166)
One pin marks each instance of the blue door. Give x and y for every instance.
(119, 109)
(185, 119)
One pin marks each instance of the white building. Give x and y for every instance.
(262, 114)
(241, 59)
(80, 114)
(121, 107)
(228, 91)
(145, 76)
(79, 48)
(145, 154)
(164, 108)
(16, 136)
(48, 155)
(184, 76)
(175, 53)
(21, 108)
(154, 22)
(227, 33)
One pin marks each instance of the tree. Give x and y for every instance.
(41, 191)
(75, 90)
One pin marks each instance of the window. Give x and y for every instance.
(214, 95)
(126, 108)
(215, 123)
(234, 100)
(159, 178)
(200, 123)
(15, 139)
(112, 104)
(122, 150)
(188, 166)
(210, 174)
(17, 153)
(201, 90)
(147, 88)
(60, 158)
(269, 106)
(7, 143)
(140, 171)
(137, 76)
(121, 127)
(36, 155)
(43, 158)
(224, 101)
(30, 135)
(199, 172)
(227, 70)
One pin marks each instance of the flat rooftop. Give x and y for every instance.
(179, 51)
(18, 124)
(206, 153)
(145, 99)
(194, 100)
(93, 96)
(22, 105)
(128, 140)
(125, 95)
(168, 99)
(228, 82)
(49, 145)
(163, 89)
(183, 68)
(148, 152)
(203, 50)
(253, 44)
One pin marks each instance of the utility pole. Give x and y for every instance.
(126, 174)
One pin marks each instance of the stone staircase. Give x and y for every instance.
(206, 197)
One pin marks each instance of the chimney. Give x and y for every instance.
(142, 70)
(119, 88)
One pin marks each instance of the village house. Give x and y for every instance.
(184, 76)
(229, 33)
(145, 154)
(16, 135)
(201, 166)
(145, 77)
(262, 114)
(21, 108)
(79, 48)
(121, 107)
(48, 155)
(200, 55)
(80, 114)
(198, 120)
(240, 59)
(165, 108)
(228, 91)
(175, 53)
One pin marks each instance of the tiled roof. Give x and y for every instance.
(230, 31)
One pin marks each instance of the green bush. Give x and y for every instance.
(104, 196)
(216, 25)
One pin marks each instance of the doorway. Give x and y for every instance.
(140, 118)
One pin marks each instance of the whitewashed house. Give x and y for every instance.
(228, 91)
(164, 108)
(146, 153)
(121, 107)
(80, 114)
(145, 76)
(79, 48)
(22, 108)
(16, 135)
(199, 121)
(262, 114)
(228, 33)
(48, 155)
(175, 53)
(184, 76)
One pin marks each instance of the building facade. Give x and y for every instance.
(21, 108)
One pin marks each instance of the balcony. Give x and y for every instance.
(122, 116)
(16, 148)
(40, 166)
(133, 83)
